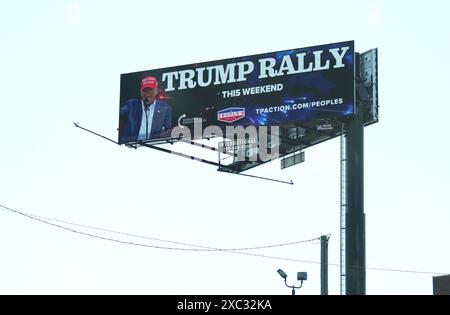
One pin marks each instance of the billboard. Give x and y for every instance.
(267, 89)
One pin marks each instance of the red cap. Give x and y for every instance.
(149, 82)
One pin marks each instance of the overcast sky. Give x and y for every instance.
(61, 62)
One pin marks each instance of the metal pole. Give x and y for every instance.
(324, 265)
(355, 217)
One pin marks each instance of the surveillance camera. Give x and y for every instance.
(282, 273)
(302, 276)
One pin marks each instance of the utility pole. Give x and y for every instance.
(324, 265)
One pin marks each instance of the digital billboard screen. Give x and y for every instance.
(261, 90)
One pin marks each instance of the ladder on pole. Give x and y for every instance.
(343, 209)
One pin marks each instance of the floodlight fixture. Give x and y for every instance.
(282, 274)
(302, 276)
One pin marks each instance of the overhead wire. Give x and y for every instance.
(199, 248)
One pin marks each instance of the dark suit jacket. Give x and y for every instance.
(131, 117)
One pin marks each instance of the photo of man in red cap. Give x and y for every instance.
(145, 118)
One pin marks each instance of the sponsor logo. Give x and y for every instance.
(231, 114)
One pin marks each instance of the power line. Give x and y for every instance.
(200, 248)
(89, 234)
(149, 246)
(408, 271)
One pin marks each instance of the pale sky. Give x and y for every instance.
(61, 62)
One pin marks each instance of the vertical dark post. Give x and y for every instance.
(355, 238)
(324, 265)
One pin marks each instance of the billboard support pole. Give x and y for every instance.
(355, 280)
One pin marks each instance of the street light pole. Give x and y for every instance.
(293, 286)
(301, 276)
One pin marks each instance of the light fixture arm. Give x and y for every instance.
(293, 287)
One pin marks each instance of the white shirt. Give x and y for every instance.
(146, 121)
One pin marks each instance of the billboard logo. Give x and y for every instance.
(231, 114)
